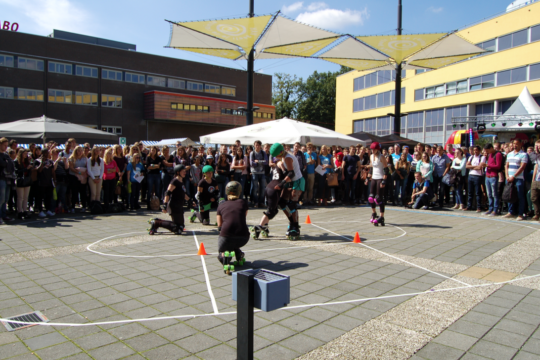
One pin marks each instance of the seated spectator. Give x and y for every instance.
(421, 192)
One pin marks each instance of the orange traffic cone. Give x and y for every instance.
(202, 250)
(308, 220)
(357, 239)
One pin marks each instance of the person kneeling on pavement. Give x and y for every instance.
(233, 230)
(422, 192)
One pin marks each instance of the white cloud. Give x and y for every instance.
(435, 10)
(292, 8)
(316, 6)
(333, 18)
(46, 15)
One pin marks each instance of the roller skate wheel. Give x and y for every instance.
(226, 254)
(232, 254)
(264, 234)
(242, 261)
(226, 267)
(231, 267)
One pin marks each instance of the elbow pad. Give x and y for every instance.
(168, 193)
(197, 196)
(290, 174)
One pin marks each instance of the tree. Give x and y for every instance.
(286, 95)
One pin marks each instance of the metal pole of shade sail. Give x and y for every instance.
(397, 102)
(249, 110)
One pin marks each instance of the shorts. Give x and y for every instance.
(299, 184)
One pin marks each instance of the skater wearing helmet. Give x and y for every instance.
(379, 175)
(293, 185)
(233, 230)
(174, 204)
(273, 198)
(207, 193)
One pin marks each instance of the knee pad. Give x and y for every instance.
(271, 213)
(293, 206)
(378, 200)
(371, 199)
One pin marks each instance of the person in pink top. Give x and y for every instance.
(110, 179)
(450, 151)
(493, 166)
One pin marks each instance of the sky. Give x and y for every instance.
(143, 22)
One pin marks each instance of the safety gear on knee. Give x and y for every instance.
(378, 200)
(371, 199)
(293, 205)
(271, 213)
(282, 204)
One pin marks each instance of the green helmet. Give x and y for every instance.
(276, 149)
(207, 168)
(233, 188)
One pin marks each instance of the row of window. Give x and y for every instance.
(61, 96)
(190, 107)
(378, 100)
(518, 38)
(88, 71)
(375, 78)
(511, 76)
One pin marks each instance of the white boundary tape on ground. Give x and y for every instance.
(208, 285)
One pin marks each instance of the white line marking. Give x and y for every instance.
(212, 298)
(395, 257)
(427, 292)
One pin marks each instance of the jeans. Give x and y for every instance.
(4, 196)
(421, 200)
(520, 206)
(350, 188)
(135, 190)
(47, 194)
(153, 181)
(61, 189)
(401, 189)
(222, 186)
(109, 187)
(258, 185)
(474, 185)
(242, 180)
(458, 193)
(492, 193)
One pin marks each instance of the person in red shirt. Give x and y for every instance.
(493, 166)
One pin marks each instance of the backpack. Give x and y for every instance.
(510, 194)
(95, 208)
(530, 165)
(154, 203)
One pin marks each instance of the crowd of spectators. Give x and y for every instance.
(46, 181)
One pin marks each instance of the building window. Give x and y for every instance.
(358, 84)
(434, 126)
(420, 71)
(370, 102)
(88, 99)
(112, 129)
(490, 45)
(415, 126)
(111, 75)
(232, 112)
(512, 40)
(176, 84)
(482, 82)
(156, 81)
(6, 60)
(512, 76)
(456, 87)
(6, 92)
(456, 111)
(86, 71)
(358, 104)
(229, 91)
(30, 95)
(214, 89)
(435, 91)
(30, 64)
(190, 107)
(535, 33)
(370, 126)
(403, 127)
(384, 125)
(371, 80)
(358, 126)
(60, 68)
(112, 101)
(419, 94)
(534, 72)
(504, 106)
(193, 86)
(134, 78)
(60, 96)
(484, 109)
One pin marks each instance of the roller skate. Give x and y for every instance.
(373, 219)
(293, 233)
(193, 216)
(380, 221)
(179, 230)
(265, 231)
(206, 222)
(153, 226)
(240, 258)
(255, 231)
(228, 268)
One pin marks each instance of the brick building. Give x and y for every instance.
(107, 85)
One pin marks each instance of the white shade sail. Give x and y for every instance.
(184, 141)
(182, 37)
(285, 131)
(353, 49)
(451, 45)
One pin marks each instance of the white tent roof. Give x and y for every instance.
(186, 38)
(353, 49)
(285, 131)
(185, 142)
(524, 110)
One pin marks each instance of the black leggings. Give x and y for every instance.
(377, 194)
(231, 243)
(77, 189)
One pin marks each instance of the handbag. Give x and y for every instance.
(24, 181)
(450, 177)
(510, 194)
(332, 179)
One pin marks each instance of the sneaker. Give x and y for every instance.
(520, 218)
(508, 216)
(42, 214)
(487, 213)
(493, 214)
(7, 218)
(425, 208)
(206, 222)
(50, 213)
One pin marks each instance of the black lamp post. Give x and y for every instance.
(397, 102)
(249, 110)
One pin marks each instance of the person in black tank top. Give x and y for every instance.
(173, 204)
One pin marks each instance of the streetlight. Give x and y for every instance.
(248, 111)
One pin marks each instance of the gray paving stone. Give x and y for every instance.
(469, 328)
(439, 352)
(455, 340)
(532, 346)
(166, 352)
(58, 351)
(505, 338)
(197, 343)
(324, 332)
(220, 352)
(523, 355)
(275, 351)
(301, 343)
(42, 341)
(110, 352)
(95, 340)
(492, 350)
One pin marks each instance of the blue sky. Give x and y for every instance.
(142, 22)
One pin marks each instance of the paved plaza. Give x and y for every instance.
(429, 285)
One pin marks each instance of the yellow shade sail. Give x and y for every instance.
(242, 32)
(358, 64)
(224, 53)
(440, 62)
(307, 48)
(399, 47)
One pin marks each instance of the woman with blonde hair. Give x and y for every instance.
(126, 150)
(23, 168)
(110, 172)
(78, 177)
(96, 168)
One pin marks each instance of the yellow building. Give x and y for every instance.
(484, 85)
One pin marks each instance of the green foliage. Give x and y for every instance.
(312, 101)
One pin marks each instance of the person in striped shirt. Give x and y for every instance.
(516, 161)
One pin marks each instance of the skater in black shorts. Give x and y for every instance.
(207, 193)
(173, 204)
(233, 230)
(380, 172)
(273, 197)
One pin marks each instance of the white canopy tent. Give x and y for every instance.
(185, 142)
(285, 131)
(524, 110)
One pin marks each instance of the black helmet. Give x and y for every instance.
(178, 168)
(233, 188)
